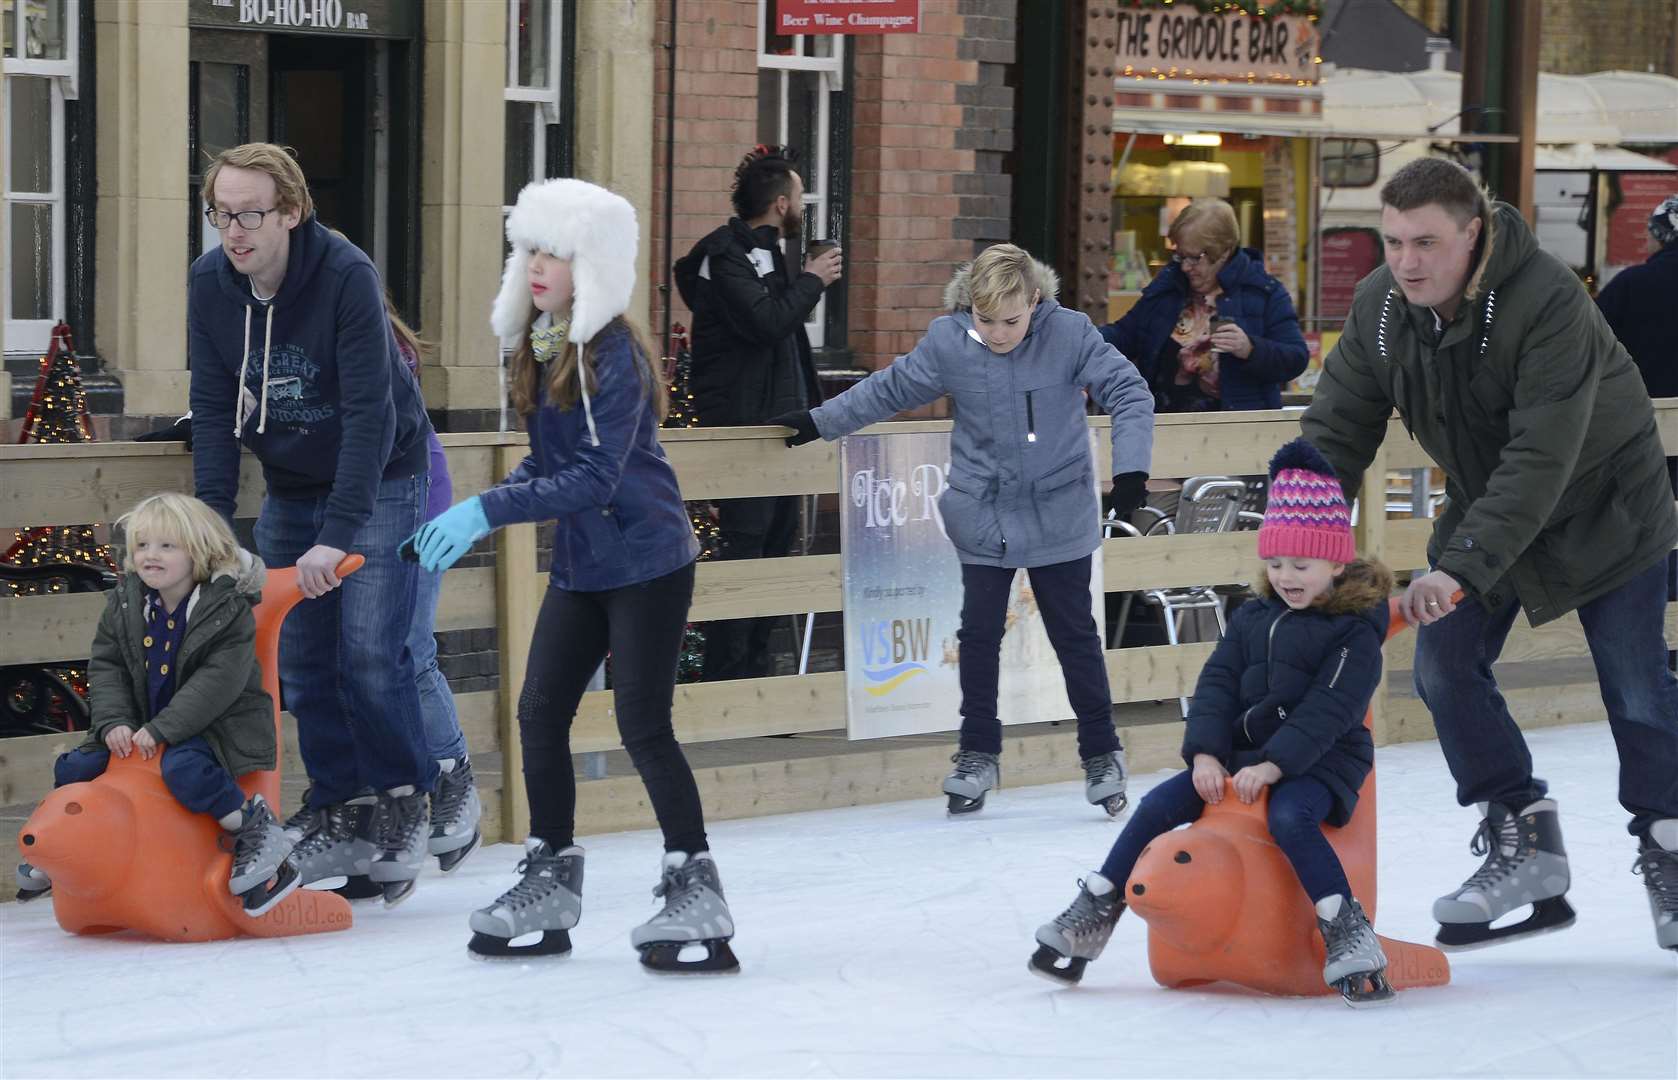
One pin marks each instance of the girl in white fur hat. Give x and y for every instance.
(622, 575)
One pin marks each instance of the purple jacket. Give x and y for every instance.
(441, 492)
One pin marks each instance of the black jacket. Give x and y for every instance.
(1291, 687)
(751, 356)
(1638, 305)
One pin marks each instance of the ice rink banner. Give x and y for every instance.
(903, 599)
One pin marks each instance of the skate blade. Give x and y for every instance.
(555, 945)
(664, 958)
(447, 861)
(1548, 916)
(961, 805)
(1046, 963)
(1114, 805)
(358, 887)
(394, 892)
(258, 900)
(1366, 991)
(26, 895)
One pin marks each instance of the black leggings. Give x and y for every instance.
(642, 626)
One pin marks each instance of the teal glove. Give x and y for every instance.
(441, 541)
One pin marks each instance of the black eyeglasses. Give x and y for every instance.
(1184, 259)
(249, 220)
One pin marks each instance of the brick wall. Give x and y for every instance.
(716, 123)
(932, 128)
(1579, 38)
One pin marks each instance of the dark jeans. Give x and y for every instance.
(1486, 752)
(1297, 809)
(345, 669)
(190, 770)
(749, 529)
(641, 626)
(1063, 596)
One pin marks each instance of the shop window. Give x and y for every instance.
(799, 101)
(39, 70)
(1350, 163)
(538, 135)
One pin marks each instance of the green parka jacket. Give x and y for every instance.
(1554, 469)
(218, 693)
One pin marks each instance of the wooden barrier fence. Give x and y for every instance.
(76, 484)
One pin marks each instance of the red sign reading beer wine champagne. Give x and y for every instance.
(847, 16)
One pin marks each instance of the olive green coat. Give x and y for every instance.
(218, 689)
(1554, 469)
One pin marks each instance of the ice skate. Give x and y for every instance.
(1078, 934)
(455, 811)
(401, 835)
(1105, 782)
(975, 774)
(304, 821)
(695, 914)
(337, 846)
(263, 872)
(548, 899)
(31, 883)
(1355, 965)
(1525, 864)
(1657, 863)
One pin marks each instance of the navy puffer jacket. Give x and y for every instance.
(1257, 302)
(1291, 687)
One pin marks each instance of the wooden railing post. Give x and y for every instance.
(518, 596)
(1371, 536)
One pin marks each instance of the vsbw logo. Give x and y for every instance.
(893, 651)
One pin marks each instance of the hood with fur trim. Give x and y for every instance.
(569, 219)
(958, 294)
(1366, 584)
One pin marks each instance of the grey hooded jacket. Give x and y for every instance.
(1020, 490)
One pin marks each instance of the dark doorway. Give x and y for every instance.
(318, 94)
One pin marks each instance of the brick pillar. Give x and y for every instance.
(716, 123)
(1087, 226)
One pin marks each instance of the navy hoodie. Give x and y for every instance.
(343, 412)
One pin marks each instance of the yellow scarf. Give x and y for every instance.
(546, 342)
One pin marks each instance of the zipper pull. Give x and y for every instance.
(1030, 420)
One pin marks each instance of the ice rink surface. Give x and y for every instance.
(875, 941)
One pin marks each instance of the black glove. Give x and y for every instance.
(180, 431)
(802, 424)
(1129, 492)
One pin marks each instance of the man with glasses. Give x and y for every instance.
(293, 358)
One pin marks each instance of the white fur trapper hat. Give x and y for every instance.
(579, 221)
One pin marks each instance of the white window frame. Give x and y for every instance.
(546, 98)
(34, 335)
(831, 71)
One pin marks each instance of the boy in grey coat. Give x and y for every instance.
(1017, 366)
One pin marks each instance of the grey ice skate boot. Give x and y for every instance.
(1525, 864)
(695, 914)
(1657, 862)
(975, 774)
(1105, 782)
(1078, 934)
(337, 843)
(32, 884)
(401, 835)
(1355, 964)
(263, 873)
(455, 811)
(548, 898)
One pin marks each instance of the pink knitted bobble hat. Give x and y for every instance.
(1306, 517)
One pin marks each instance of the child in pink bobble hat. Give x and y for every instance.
(1279, 705)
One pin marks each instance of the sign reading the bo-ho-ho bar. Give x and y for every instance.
(1187, 44)
(847, 16)
(355, 18)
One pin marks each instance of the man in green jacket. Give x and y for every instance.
(1508, 376)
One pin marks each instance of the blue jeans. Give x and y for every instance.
(1297, 809)
(1486, 752)
(443, 738)
(190, 770)
(345, 669)
(1063, 596)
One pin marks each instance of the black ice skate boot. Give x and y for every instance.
(263, 871)
(1525, 864)
(401, 835)
(1657, 862)
(455, 811)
